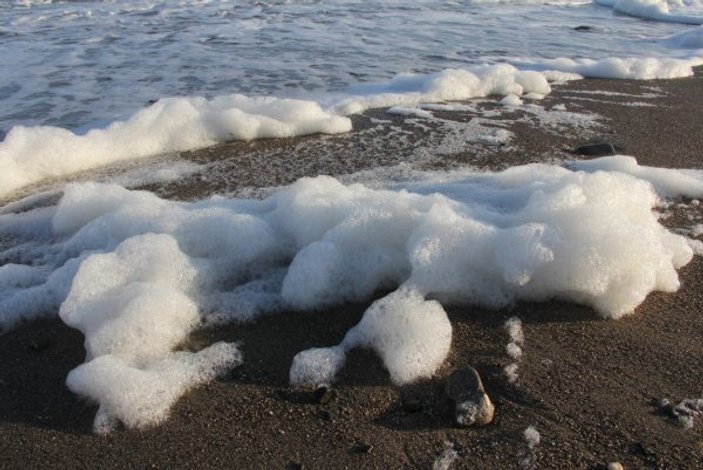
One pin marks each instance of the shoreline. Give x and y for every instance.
(586, 384)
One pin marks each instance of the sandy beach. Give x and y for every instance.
(587, 385)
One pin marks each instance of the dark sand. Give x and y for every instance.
(585, 384)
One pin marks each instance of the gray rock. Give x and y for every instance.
(472, 406)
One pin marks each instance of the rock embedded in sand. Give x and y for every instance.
(603, 149)
(361, 448)
(472, 405)
(615, 466)
(324, 394)
(412, 405)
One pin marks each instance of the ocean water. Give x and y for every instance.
(84, 64)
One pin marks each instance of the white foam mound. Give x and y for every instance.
(411, 335)
(648, 68)
(136, 273)
(132, 302)
(317, 366)
(31, 154)
(451, 84)
(656, 10)
(141, 395)
(511, 100)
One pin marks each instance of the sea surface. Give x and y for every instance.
(84, 64)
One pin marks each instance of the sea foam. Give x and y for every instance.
(656, 10)
(137, 273)
(32, 154)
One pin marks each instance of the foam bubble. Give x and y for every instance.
(451, 84)
(32, 154)
(410, 334)
(657, 10)
(142, 395)
(648, 68)
(531, 436)
(317, 366)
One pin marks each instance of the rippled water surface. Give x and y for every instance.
(84, 63)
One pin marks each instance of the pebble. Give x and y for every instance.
(664, 406)
(412, 406)
(615, 466)
(324, 394)
(595, 150)
(361, 448)
(472, 405)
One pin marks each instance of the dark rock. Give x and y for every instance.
(296, 466)
(326, 415)
(361, 448)
(661, 403)
(324, 394)
(472, 405)
(595, 150)
(584, 28)
(664, 406)
(639, 449)
(412, 405)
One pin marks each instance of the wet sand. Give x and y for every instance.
(585, 384)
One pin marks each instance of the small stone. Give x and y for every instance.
(361, 448)
(296, 466)
(640, 449)
(324, 394)
(595, 150)
(665, 407)
(661, 403)
(615, 466)
(472, 405)
(583, 28)
(326, 415)
(412, 405)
